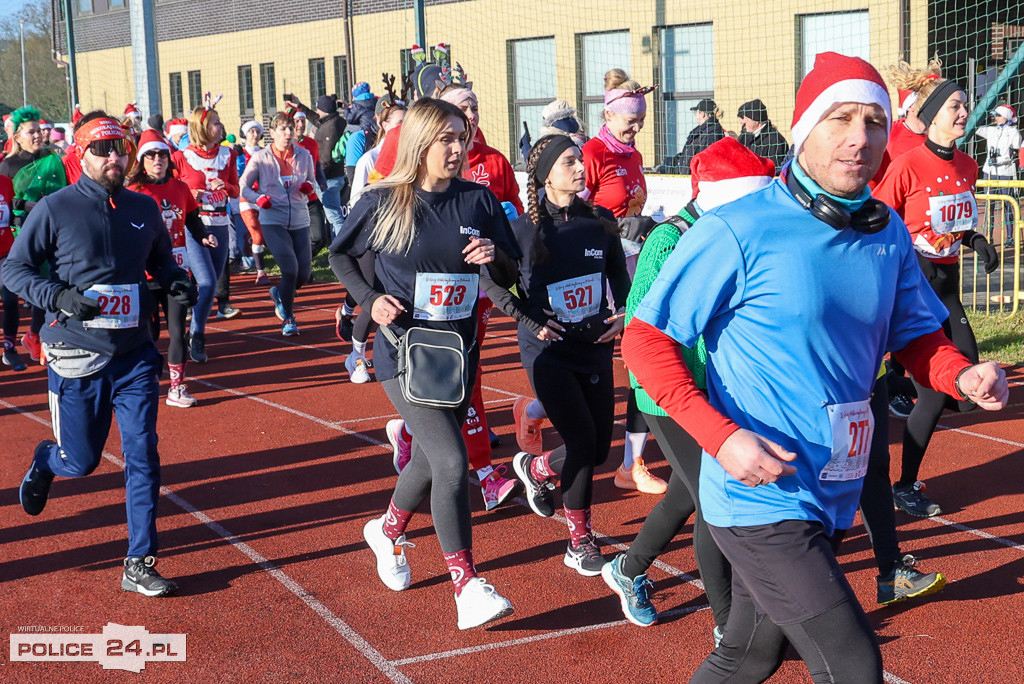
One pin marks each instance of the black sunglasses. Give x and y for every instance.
(152, 154)
(101, 148)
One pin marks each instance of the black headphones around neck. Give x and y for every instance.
(871, 218)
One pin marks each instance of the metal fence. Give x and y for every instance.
(1000, 221)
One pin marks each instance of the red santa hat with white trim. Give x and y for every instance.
(726, 171)
(177, 127)
(836, 79)
(1007, 111)
(131, 112)
(151, 140)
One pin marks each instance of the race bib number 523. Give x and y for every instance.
(852, 427)
(445, 296)
(119, 304)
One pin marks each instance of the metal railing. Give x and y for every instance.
(999, 292)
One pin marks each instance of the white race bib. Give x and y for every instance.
(852, 427)
(953, 213)
(574, 299)
(445, 296)
(286, 181)
(120, 305)
(180, 256)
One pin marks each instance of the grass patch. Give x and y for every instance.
(1000, 338)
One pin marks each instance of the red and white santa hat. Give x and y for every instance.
(726, 171)
(1007, 111)
(907, 100)
(836, 79)
(44, 124)
(131, 112)
(151, 140)
(177, 127)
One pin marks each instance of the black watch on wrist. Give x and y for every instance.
(956, 384)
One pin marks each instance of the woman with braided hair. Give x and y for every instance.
(572, 248)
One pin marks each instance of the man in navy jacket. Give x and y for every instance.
(100, 240)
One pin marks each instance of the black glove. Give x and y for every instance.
(985, 251)
(635, 228)
(184, 292)
(73, 303)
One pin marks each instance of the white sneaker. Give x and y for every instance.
(479, 603)
(392, 566)
(179, 396)
(357, 368)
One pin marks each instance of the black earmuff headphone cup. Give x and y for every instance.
(871, 218)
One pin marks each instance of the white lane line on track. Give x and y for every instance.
(537, 637)
(365, 649)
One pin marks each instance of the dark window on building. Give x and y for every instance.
(177, 103)
(596, 54)
(532, 76)
(340, 76)
(686, 74)
(268, 88)
(84, 6)
(195, 90)
(116, 3)
(245, 97)
(317, 78)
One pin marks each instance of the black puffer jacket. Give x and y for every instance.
(767, 143)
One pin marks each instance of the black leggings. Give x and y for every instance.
(174, 314)
(945, 280)
(439, 467)
(670, 514)
(636, 421)
(364, 324)
(788, 589)
(581, 407)
(876, 497)
(12, 316)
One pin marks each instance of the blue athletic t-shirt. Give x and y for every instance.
(796, 317)
(355, 147)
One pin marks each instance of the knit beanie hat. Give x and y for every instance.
(361, 91)
(151, 140)
(836, 79)
(327, 103)
(726, 171)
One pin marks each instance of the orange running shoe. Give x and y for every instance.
(528, 431)
(639, 478)
(30, 341)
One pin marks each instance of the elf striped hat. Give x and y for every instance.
(836, 79)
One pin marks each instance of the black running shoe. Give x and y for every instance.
(343, 325)
(911, 499)
(197, 348)
(900, 406)
(584, 558)
(538, 494)
(140, 576)
(12, 358)
(35, 486)
(495, 439)
(904, 581)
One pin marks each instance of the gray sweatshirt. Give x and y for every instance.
(287, 202)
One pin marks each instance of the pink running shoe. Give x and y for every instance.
(496, 489)
(528, 431)
(402, 447)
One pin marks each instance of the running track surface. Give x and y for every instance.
(267, 484)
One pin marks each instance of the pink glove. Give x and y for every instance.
(263, 202)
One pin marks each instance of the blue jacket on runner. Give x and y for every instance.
(92, 238)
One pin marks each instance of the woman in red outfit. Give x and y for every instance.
(153, 176)
(932, 188)
(209, 170)
(615, 181)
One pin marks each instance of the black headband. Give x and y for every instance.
(550, 154)
(934, 103)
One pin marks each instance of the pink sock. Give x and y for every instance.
(540, 468)
(579, 524)
(460, 564)
(177, 373)
(395, 521)
(406, 435)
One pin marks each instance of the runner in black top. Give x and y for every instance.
(432, 231)
(572, 247)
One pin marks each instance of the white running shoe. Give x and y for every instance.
(392, 566)
(479, 603)
(179, 396)
(357, 368)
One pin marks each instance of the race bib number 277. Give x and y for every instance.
(853, 424)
